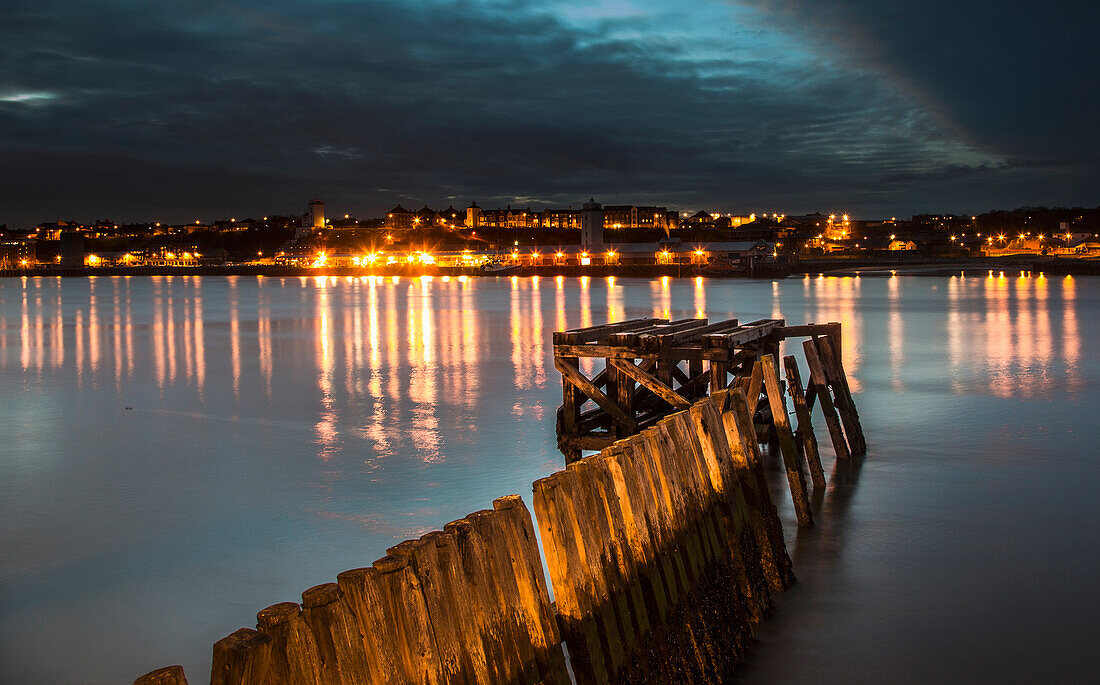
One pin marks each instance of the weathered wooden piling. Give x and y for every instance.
(243, 657)
(838, 381)
(791, 462)
(169, 675)
(655, 549)
(820, 384)
(804, 433)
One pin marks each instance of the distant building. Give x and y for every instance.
(473, 215)
(316, 213)
(701, 219)
(632, 216)
(592, 224)
(560, 218)
(16, 253)
(399, 218)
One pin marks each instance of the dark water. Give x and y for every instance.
(178, 453)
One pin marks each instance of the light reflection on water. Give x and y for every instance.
(283, 430)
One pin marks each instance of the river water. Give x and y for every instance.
(178, 453)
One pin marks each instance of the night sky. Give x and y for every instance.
(177, 111)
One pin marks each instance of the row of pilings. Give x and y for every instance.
(664, 550)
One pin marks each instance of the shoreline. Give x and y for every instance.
(829, 267)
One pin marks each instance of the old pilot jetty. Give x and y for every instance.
(664, 546)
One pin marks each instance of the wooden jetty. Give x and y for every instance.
(651, 367)
(664, 547)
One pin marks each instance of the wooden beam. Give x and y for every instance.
(575, 377)
(678, 374)
(652, 383)
(756, 382)
(805, 330)
(834, 372)
(796, 479)
(821, 385)
(654, 342)
(630, 338)
(743, 334)
(599, 351)
(804, 433)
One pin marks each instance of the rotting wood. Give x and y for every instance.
(834, 372)
(795, 476)
(821, 389)
(804, 433)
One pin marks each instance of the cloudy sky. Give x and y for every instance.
(172, 111)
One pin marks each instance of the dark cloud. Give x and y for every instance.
(176, 110)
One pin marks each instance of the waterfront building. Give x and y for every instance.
(633, 216)
(17, 253)
(592, 224)
(560, 218)
(473, 215)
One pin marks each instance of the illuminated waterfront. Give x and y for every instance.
(182, 451)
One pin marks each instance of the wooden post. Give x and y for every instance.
(695, 369)
(243, 658)
(169, 675)
(834, 372)
(416, 649)
(485, 529)
(501, 654)
(805, 431)
(295, 658)
(566, 557)
(718, 372)
(624, 397)
(515, 520)
(795, 478)
(361, 588)
(622, 481)
(571, 412)
(821, 385)
(739, 426)
(337, 633)
(455, 663)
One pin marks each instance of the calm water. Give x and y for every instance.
(178, 453)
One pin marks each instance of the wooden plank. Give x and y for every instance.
(652, 383)
(796, 479)
(819, 382)
(743, 334)
(652, 342)
(805, 431)
(630, 338)
(575, 377)
(579, 336)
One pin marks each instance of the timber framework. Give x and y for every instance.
(644, 369)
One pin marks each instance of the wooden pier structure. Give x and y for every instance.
(664, 548)
(652, 367)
